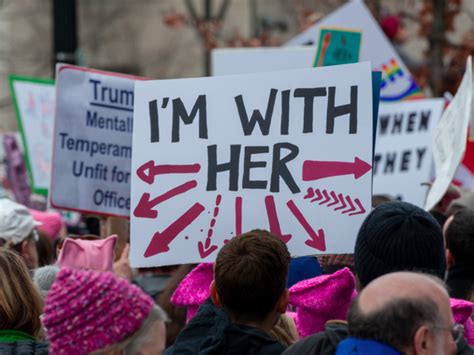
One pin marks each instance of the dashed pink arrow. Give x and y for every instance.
(339, 202)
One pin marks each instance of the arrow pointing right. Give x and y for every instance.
(316, 169)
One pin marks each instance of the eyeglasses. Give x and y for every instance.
(457, 331)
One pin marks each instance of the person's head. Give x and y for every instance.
(459, 235)
(45, 250)
(17, 231)
(250, 276)
(89, 254)
(408, 311)
(44, 277)
(96, 312)
(20, 303)
(398, 236)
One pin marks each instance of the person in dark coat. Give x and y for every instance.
(459, 236)
(248, 296)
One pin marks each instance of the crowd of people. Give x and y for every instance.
(408, 288)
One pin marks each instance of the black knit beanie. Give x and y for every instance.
(398, 236)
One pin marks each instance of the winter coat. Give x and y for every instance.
(13, 342)
(212, 332)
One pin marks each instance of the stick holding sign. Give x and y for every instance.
(215, 157)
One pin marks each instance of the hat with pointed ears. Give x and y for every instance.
(88, 254)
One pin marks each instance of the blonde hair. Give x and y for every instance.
(20, 302)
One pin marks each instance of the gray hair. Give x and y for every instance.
(44, 278)
(134, 343)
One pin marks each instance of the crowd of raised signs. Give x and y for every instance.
(407, 288)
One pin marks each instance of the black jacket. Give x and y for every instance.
(212, 332)
(325, 343)
(460, 282)
(24, 347)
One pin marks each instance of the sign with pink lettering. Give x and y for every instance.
(212, 158)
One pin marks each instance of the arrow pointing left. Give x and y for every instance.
(145, 206)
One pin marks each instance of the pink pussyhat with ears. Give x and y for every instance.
(88, 254)
(320, 299)
(193, 291)
(462, 312)
(51, 222)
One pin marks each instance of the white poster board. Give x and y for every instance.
(449, 139)
(34, 101)
(92, 141)
(215, 157)
(397, 82)
(403, 151)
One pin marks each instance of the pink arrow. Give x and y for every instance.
(205, 251)
(318, 196)
(161, 240)
(341, 199)
(149, 170)
(326, 197)
(273, 220)
(315, 169)
(334, 197)
(317, 240)
(145, 206)
(309, 193)
(361, 208)
(351, 205)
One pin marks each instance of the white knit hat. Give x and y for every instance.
(16, 222)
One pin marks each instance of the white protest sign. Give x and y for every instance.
(449, 139)
(92, 141)
(215, 157)
(34, 101)
(403, 152)
(397, 82)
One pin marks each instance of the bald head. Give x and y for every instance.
(396, 308)
(390, 288)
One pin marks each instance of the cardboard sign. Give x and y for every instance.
(92, 141)
(337, 46)
(449, 139)
(34, 101)
(215, 157)
(397, 84)
(403, 153)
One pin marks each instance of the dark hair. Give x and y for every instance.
(460, 237)
(46, 255)
(250, 273)
(395, 323)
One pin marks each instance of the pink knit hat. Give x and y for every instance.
(87, 311)
(194, 289)
(462, 312)
(51, 223)
(320, 299)
(88, 254)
